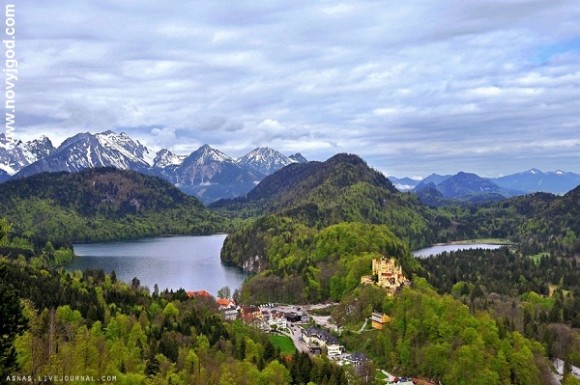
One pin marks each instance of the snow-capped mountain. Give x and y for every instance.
(265, 160)
(298, 158)
(85, 150)
(210, 175)
(206, 173)
(17, 155)
(206, 155)
(557, 182)
(165, 158)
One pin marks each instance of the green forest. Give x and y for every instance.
(308, 234)
(440, 338)
(99, 205)
(91, 324)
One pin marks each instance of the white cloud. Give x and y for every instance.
(414, 87)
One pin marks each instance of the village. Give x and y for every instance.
(316, 334)
(319, 335)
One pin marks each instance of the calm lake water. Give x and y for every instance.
(438, 249)
(190, 262)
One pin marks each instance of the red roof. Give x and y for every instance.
(224, 301)
(201, 293)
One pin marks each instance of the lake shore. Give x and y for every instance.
(489, 241)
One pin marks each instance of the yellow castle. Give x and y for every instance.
(387, 273)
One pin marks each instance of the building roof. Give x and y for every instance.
(201, 293)
(322, 335)
(224, 302)
(358, 357)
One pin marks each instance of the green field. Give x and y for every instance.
(283, 343)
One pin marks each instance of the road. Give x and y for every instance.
(296, 335)
(295, 331)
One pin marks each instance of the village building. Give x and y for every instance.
(200, 293)
(357, 359)
(316, 338)
(293, 317)
(230, 314)
(225, 303)
(378, 320)
(228, 308)
(251, 314)
(278, 320)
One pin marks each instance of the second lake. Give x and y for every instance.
(439, 249)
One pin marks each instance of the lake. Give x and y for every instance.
(439, 249)
(188, 262)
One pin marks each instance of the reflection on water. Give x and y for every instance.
(191, 262)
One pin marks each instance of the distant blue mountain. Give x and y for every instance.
(534, 180)
(404, 184)
(409, 184)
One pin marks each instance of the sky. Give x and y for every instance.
(413, 87)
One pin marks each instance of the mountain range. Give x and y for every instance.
(206, 173)
(14, 156)
(211, 175)
(534, 180)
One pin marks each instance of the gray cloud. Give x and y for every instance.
(484, 86)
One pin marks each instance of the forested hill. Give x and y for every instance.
(315, 211)
(101, 204)
(342, 189)
(539, 222)
(299, 179)
(106, 191)
(300, 182)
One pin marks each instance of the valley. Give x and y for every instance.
(307, 233)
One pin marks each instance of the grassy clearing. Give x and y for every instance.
(283, 343)
(536, 257)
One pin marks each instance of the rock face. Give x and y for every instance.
(14, 156)
(85, 150)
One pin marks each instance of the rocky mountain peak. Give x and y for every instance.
(165, 158)
(265, 160)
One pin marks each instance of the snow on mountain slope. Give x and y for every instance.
(85, 150)
(265, 160)
(165, 158)
(17, 155)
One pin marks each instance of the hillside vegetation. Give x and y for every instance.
(101, 204)
(302, 199)
(538, 222)
(90, 324)
(342, 189)
(306, 265)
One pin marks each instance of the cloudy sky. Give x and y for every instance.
(414, 87)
